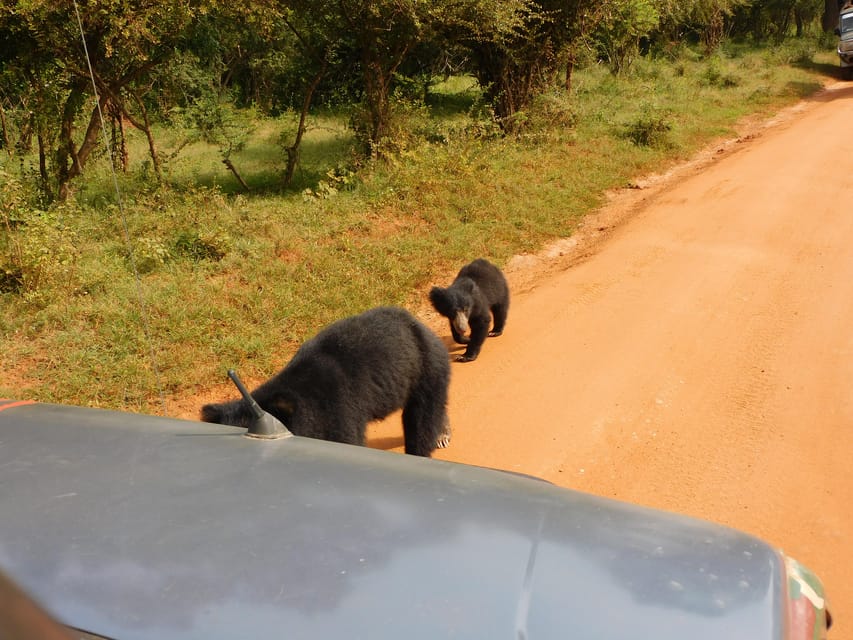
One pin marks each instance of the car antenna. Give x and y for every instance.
(264, 425)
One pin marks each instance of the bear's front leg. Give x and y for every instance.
(444, 437)
(479, 331)
(458, 337)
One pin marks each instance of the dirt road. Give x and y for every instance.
(693, 351)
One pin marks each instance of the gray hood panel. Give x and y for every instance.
(141, 527)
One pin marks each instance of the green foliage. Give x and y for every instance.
(196, 246)
(151, 253)
(340, 178)
(214, 120)
(199, 65)
(38, 249)
(516, 57)
(624, 23)
(649, 131)
(550, 116)
(378, 34)
(794, 51)
(405, 118)
(718, 73)
(50, 70)
(148, 254)
(774, 20)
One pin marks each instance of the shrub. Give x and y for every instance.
(38, 250)
(197, 247)
(649, 131)
(148, 254)
(715, 75)
(549, 116)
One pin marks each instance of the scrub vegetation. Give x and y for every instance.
(229, 191)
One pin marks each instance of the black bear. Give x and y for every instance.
(479, 293)
(358, 369)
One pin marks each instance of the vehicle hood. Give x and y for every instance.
(135, 526)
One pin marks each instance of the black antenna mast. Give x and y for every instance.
(264, 425)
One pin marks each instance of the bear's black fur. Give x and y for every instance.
(358, 369)
(479, 293)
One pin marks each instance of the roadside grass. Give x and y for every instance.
(220, 278)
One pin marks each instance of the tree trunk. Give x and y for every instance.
(125, 155)
(90, 138)
(378, 73)
(65, 151)
(570, 67)
(829, 20)
(227, 162)
(7, 143)
(118, 149)
(293, 150)
(145, 126)
(25, 139)
(43, 174)
(377, 102)
(119, 139)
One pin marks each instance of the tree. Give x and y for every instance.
(318, 41)
(829, 18)
(383, 33)
(516, 47)
(124, 41)
(513, 65)
(619, 32)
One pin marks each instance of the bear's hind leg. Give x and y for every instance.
(499, 313)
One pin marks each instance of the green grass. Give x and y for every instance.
(230, 279)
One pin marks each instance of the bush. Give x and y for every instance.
(716, 75)
(649, 131)
(549, 116)
(406, 122)
(37, 248)
(197, 247)
(148, 254)
(794, 51)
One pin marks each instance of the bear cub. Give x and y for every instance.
(477, 298)
(354, 371)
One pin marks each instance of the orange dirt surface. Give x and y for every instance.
(691, 348)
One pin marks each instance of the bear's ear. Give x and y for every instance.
(437, 296)
(467, 285)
